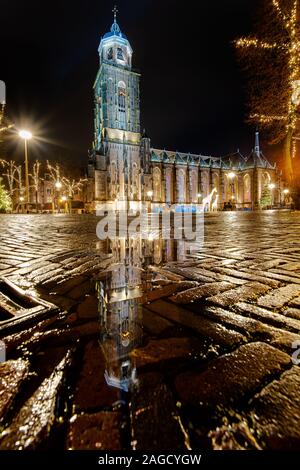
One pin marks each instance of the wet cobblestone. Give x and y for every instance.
(217, 329)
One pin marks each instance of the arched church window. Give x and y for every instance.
(122, 104)
(120, 54)
(110, 53)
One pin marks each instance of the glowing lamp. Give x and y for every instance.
(26, 135)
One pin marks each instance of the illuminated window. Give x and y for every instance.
(122, 104)
(110, 53)
(120, 54)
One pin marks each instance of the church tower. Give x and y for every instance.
(116, 148)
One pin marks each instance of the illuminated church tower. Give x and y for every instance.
(116, 150)
(124, 167)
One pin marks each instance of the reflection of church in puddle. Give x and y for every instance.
(123, 166)
(121, 293)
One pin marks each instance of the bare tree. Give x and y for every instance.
(4, 126)
(271, 60)
(10, 176)
(55, 175)
(36, 180)
(71, 186)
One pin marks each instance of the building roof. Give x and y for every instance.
(115, 31)
(236, 160)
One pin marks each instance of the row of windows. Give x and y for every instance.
(120, 53)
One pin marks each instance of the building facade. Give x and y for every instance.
(124, 167)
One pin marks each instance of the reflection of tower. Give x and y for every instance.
(117, 118)
(120, 311)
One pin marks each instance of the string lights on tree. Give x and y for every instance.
(274, 100)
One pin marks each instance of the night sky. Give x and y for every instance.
(192, 91)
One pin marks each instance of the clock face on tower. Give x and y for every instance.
(110, 53)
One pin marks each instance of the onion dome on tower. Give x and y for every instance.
(114, 46)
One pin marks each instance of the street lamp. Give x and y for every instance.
(231, 176)
(286, 191)
(272, 186)
(58, 185)
(26, 135)
(149, 194)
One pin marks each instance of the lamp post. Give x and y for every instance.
(285, 192)
(231, 177)
(26, 135)
(64, 200)
(58, 186)
(149, 196)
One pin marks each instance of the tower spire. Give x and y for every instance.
(257, 148)
(115, 11)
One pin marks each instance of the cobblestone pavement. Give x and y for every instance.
(214, 363)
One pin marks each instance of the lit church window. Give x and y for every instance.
(122, 104)
(120, 54)
(110, 53)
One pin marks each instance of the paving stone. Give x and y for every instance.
(233, 378)
(279, 297)
(91, 390)
(247, 276)
(34, 421)
(81, 290)
(160, 350)
(280, 320)
(198, 293)
(204, 327)
(97, 431)
(89, 308)
(292, 313)
(248, 291)
(12, 375)
(167, 290)
(218, 277)
(69, 284)
(295, 266)
(279, 277)
(155, 324)
(151, 405)
(295, 302)
(276, 412)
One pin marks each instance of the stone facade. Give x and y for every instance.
(124, 167)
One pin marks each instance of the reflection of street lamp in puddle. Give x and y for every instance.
(272, 186)
(149, 196)
(231, 177)
(286, 191)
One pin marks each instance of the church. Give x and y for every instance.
(123, 166)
